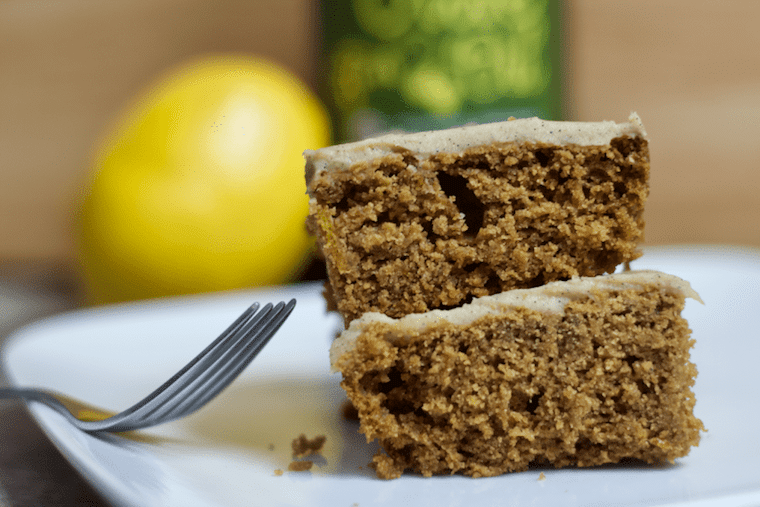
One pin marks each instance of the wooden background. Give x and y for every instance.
(691, 69)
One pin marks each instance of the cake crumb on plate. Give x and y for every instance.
(303, 446)
(300, 466)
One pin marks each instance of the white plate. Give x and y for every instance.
(226, 454)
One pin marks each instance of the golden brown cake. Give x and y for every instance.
(580, 372)
(410, 223)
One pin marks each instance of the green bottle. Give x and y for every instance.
(416, 65)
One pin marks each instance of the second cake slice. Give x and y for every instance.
(580, 372)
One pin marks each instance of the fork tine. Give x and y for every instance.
(213, 384)
(202, 357)
(122, 420)
(213, 380)
(167, 400)
(143, 410)
(261, 327)
(194, 385)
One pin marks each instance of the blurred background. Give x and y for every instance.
(68, 70)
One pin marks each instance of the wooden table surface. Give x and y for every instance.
(692, 72)
(691, 69)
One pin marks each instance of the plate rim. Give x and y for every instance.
(114, 492)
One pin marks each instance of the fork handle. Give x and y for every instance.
(27, 394)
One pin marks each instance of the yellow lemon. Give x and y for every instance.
(200, 186)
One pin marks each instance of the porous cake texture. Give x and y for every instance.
(581, 372)
(411, 223)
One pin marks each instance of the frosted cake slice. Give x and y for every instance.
(410, 223)
(580, 372)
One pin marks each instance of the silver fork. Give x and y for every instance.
(193, 386)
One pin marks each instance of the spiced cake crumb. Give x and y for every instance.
(583, 372)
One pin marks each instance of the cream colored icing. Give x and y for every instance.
(550, 299)
(458, 139)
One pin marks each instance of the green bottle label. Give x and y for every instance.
(417, 65)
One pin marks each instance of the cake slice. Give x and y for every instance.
(413, 222)
(580, 372)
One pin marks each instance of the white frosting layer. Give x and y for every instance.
(458, 139)
(550, 298)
